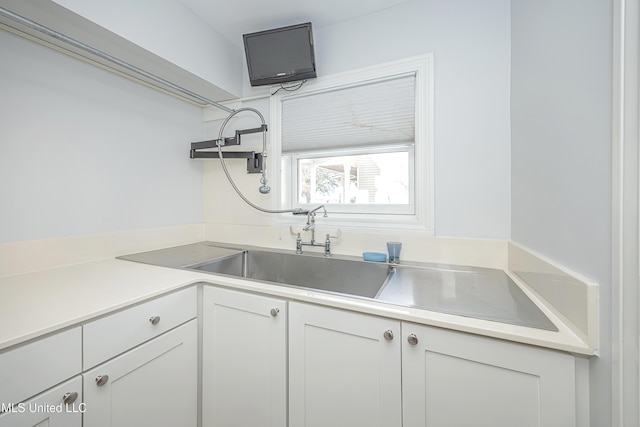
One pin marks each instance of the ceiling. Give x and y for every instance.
(237, 17)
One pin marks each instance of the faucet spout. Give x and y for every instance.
(314, 210)
(311, 217)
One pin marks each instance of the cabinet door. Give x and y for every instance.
(49, 408)
(152, 385)
(456, 379)
(344, 368)
(244, 360)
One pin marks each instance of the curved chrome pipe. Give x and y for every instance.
(264, 189)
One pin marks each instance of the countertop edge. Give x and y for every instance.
(130, 272)
(563, 340)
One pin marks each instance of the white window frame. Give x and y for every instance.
(421, 167)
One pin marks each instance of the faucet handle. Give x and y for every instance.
(327, 242)
(338, 234)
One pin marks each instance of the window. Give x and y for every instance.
(360, 144)
(367, 180)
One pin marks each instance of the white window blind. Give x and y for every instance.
(381, 112)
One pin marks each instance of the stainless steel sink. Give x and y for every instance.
(315, 272)
(465, 291)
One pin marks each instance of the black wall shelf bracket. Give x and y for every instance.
(254, 160)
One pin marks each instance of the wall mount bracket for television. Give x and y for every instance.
(254, 160)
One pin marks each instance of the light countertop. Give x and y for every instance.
(39, 303)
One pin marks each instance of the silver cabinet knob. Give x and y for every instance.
(274, 312)
(155, 320)
(69, 398)
(102, 380)
(388, 335)
(413, 339)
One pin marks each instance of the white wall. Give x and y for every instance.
(470, 43)
(83, 151)
(471, 47)
(561, 149)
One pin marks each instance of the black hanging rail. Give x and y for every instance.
(254, 160)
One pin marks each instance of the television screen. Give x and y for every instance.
(280, 55)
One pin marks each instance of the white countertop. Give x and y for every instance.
(35, 304)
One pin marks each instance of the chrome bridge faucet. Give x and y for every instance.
(311, 226)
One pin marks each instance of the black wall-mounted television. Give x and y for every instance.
(280, 55)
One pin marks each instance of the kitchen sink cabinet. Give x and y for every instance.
(456, 379)
(244, 359)
(154, 384)
(266, 361)
(349, 369)
(344, 368)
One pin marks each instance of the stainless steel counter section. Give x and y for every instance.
(182, 256)
(472, 292)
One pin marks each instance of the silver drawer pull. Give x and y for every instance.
(69, 398)
(413, 339)
(102, 380)
(155, 320)
(388, 335)
(274, 312)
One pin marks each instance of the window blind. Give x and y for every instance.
(381, 112)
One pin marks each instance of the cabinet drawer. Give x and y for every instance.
(116, 333)
(49, 409)
(28, 370)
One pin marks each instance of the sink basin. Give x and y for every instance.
(474, 292)
(315, 272)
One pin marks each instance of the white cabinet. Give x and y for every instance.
(462, 380)
(44, 364)
(118, 332)
(59, 407)
(41, 364)
(349, 369)
(148, 376)
(153, 378)
(244, 360)
(155, 384)
(344, 368)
